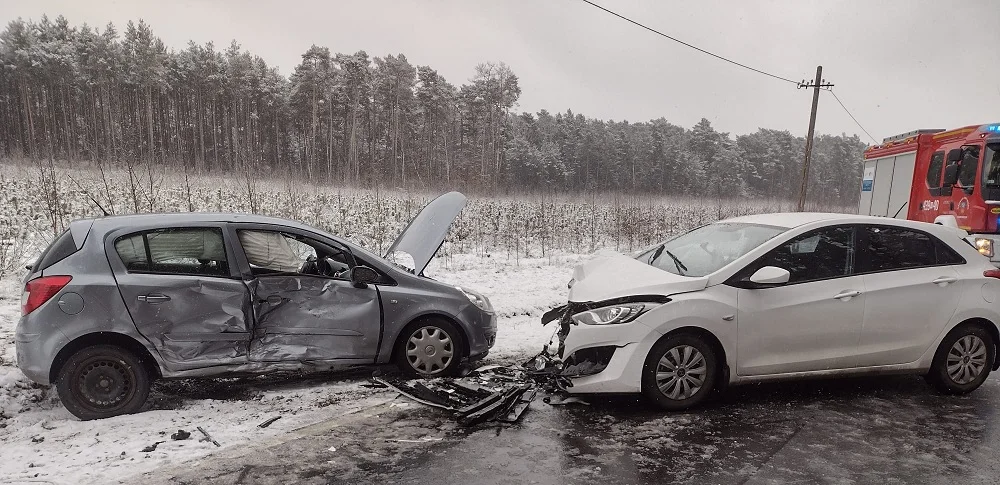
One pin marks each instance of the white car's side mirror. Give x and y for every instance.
(770, 275)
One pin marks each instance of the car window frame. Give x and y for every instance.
(247, 272)
(741, 279)
(865, 259)
(113, 237)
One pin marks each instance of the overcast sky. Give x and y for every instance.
(898, 65)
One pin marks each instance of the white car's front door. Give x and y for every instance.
(814, 321)
(912, 291)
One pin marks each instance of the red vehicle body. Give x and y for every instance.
(946, 177)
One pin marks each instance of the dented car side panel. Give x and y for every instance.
(299, 317)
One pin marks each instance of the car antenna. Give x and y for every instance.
(92, 199)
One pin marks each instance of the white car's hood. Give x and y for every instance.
(618, 275)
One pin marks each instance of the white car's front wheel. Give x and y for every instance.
(679, 372)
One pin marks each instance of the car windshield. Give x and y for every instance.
(707, 249)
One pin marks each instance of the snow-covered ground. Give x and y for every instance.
(41, 442)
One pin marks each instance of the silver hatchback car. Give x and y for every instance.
(117, 302)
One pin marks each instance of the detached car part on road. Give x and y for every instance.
(116, 302)
(779, 296)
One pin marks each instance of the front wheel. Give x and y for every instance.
(680, 372)
(963, 360)
(431, 348)
(103, 381)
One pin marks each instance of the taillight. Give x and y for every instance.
(40, 290)
(992, 273)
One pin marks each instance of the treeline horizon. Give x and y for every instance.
(71, 94)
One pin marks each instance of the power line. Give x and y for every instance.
(852, 116)
(699, 49)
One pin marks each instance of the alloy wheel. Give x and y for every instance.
(681, 372)
(966, 359)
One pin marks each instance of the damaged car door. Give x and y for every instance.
(305, 306)
(182, 293)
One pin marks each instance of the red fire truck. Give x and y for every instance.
(946, 177)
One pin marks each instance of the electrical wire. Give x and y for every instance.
(852, 116)
(699, 49)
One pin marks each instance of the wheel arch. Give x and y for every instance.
(990, 327)
(722, 379)
(105, 338)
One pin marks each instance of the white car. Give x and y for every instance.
(780, 296)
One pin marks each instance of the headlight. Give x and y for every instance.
(477, 299)
(985, 246)
(625, 312)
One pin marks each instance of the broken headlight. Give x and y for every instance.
(622, 313)
(477, 299)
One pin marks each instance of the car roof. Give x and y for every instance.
(791, 220)
(110, 223)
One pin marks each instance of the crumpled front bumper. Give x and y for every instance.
(595, 358)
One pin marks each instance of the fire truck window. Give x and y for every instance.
(934, 170)
(970, 162)
(893, 248)
(991, 164)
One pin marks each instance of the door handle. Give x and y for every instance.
(944, 280)
(153, 298)
(844, 295)
(273, 299)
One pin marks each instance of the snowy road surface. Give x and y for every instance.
(41, 442)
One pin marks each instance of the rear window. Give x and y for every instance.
(56, 252)
(187, 251)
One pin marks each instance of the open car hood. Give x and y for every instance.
(619, 276)
(426, 232)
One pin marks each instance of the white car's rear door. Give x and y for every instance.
(912, 292)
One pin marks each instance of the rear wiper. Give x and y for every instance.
(677, 262)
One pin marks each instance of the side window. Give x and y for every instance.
(934, 170)
(270, 252)
(970, 163)
(946, 255)
(892, 248)
(816, 255)
(187, 251)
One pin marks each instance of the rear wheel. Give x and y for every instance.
(430, 348)
(103, 381)
(963, 360)
(680, 372)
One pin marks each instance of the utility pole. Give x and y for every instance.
(819, 83)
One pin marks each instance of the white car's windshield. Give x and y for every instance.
(708, 248)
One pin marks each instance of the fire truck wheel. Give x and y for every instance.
(963, 360)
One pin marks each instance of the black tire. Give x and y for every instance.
(670, 349)
(419, 360)
(952, 351)
(103, 381)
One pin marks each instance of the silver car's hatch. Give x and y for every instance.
(426, 232)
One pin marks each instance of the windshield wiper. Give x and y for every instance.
(677, 262)
(656, 254)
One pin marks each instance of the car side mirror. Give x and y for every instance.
(950, 175)
(770, 276)
(363, 276)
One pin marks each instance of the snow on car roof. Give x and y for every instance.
(790, 219)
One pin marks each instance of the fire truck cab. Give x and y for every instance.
(945, 177)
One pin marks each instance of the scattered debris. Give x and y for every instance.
(37, 439)
(151, 447)
(557, 401)
(491, 393)
(180, 435)
(207, 437)
(332, 448)
(268, 422)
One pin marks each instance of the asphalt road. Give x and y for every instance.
(870, 430)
